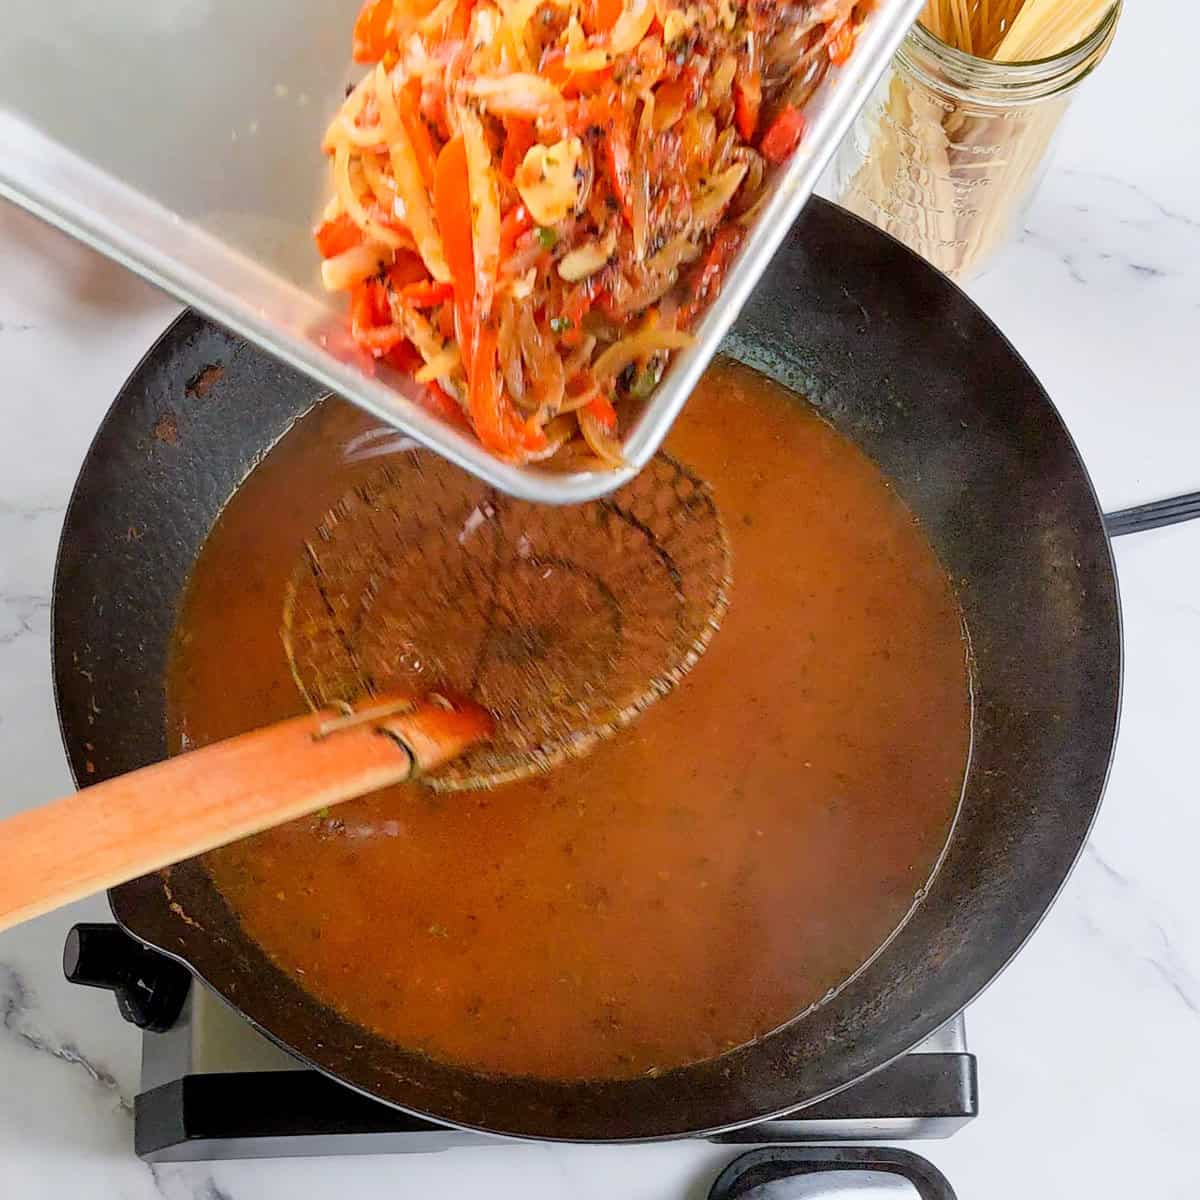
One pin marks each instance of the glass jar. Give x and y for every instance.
(947, 153)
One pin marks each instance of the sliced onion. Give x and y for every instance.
(485, 208)
(605, 447)
(441, 366)
(409, 181)
(586, 259)
(580, 356)
(715, 198)
(629, 349)
(632, 25)
(354, 265)
(510, 352)
(518, 95)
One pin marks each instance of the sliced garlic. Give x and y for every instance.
(677, 23)
(522, 286)
(587, 260)
(546, 180)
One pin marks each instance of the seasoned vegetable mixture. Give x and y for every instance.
(534, 201)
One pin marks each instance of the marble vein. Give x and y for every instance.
(1128, 185)
(30, 512)
(1151, 944)
(18, 614)
(16, 1012)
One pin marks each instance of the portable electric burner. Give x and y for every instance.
(214, 1088)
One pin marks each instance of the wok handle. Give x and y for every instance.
(1153, 516)
(137, 823)
(772, 1164)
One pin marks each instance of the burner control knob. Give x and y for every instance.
(150, 988)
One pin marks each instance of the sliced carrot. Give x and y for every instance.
(409, 103)
(783, 134)
(334, 237)
(841, 44)
(371, 31)
(496, 424)
(460, 23)
(452, 202)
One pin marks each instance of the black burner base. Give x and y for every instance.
(283, 1114)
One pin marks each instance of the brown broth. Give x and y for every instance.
(700, 880)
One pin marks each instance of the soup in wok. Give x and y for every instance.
(706, 876)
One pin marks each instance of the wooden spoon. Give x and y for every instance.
(162, 814)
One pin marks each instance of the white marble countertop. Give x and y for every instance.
(1089, 1045)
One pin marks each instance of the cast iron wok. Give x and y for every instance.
(899, 361)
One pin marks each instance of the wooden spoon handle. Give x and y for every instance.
(136, 823)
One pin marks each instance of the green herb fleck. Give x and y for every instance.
(644, 384)
(560, 324)
(547, 237)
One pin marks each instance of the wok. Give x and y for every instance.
(899, 361)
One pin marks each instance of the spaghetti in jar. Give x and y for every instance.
(948, 153)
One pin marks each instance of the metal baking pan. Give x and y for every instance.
(181, 139)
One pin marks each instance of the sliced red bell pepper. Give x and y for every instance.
(404, 357)
(707, 280)
(617, 163)
(371, 31)
(406, 268)
(533, 437)
(515, 222)
(599, 16)
(601, 408)
(369, 306)
(442, 404)
(576, 305)
(371, 319)
(519, 135)
(336, 236)
(747, 100)
(783, 134)
(605, 113)
(427, 293)
(381, 340)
